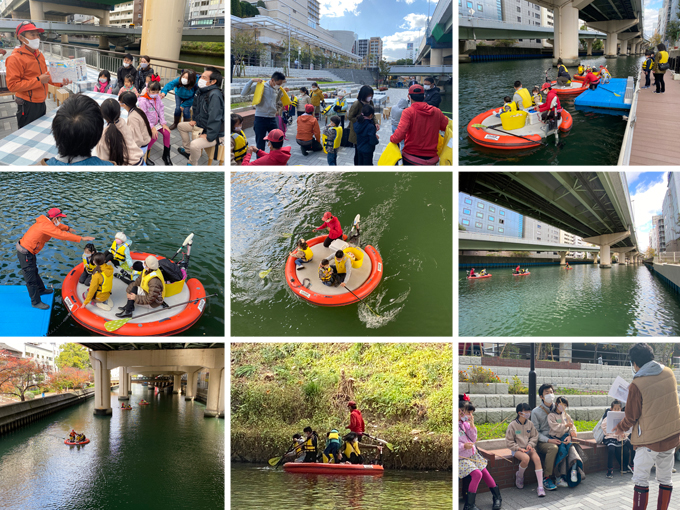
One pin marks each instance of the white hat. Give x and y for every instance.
(121, 236)
(151, 262)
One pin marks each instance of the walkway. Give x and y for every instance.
(656, 120)
(596, 492)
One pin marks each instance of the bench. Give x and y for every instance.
(248, 118)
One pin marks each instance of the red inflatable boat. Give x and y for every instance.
(478, 277)
(572, 90)
(70, 443)
(333, 469)
(521, 274)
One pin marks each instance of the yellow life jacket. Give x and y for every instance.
(106, 284)
(146, 278)
(664, 57)
(580, 70)
(526, 97)
(259, 90)
(308, 446)
(118, 252)
(540, 99)
(298, 449)
(308, 254)
(446, 152)
(391, 155)
(327, 109)
(294, 102)
(336, 142)
(325, 273)
(333, 436)
(562, 67)
(350, 447)
(285, 98)
(88, 267)
(340, 265)
(240, 145)
(341, 104)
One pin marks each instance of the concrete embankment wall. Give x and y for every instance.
(668, 273)
(13, 416)
(468, 261)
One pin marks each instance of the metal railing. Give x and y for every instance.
(667, 257)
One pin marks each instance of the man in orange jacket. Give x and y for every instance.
(27, 75)
(44, 228)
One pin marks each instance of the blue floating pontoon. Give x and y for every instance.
(603, 96)
(18, 317)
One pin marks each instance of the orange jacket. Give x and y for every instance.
(308, 128)
(23, 69)
(42, 231)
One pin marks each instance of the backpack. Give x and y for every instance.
(598, 433)
(170, 270)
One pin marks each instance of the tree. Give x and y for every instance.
(673, 31)
(260, 3)
(18, 375)
(248, 10)
(287, 50)
(69, 378)
(655, 40)
(236, 8)
(505, 43)
(598, 44)
(650, 253)
(461, 227)
(245, 44)
(73, 355)
(383, 68)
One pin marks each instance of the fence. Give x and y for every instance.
(667, 257)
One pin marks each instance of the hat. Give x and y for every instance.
(121, 236)
(546, 85)
(275, 135)
(351, 403)
(601, 67)
(309, 108)
(26, 26)
(326, 216)
(151, 262)
(55, 213)
(416, 89)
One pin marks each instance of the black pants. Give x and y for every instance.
(310, 457)
(130, 305)
(647, 80)
(327, 242)
(309, 145)
(660, 84)
(34, 283)
(263, 125)
(593, 86)
(85, 278)
(339, 277)
(614, 452)
(28, 112)
(365, 158)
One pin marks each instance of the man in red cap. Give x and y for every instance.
(27, 75)
(332, 223)
(277, 155)
(308, 135)
(44, 228)
(356, 421)
(552, 103)
(419, 126)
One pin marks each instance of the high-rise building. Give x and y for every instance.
(372, 47)
(670, 210)
(128, 13)
(658, 234)
(486, 9)
(207, 12)
(527, 13)
(477, 215)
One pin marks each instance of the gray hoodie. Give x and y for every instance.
(395, 115)
(271, 98)
(539, 417)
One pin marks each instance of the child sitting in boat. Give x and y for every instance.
(302, 254)
(326, 273)
(119, 253)
(88, 265)
(101, 283)
(330, 454)
(536, 96)
(507, 106)
(350, 452)
(80, 438)
(483, 272)
(72, 435)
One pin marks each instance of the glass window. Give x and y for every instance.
(519, 18)
(478, 224)
(501, 221)
(466, 222)
(467, 211)
(538, 238)
(501, 230)
(538, 226)
(480, 215)
(468, 201)
(492, 209)
(480, 8)
(491, 218)
(480, 205)
(490, 227)
(501, 212)
(469, 4)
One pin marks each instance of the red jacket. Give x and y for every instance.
(42, 231)
(548, 101)
(419, 126)
(334, 225)
(591, 78)
(356, 422)
(275, 157)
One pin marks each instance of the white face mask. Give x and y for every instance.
(427, 87)
(126, 64)
(237, 129)
(632, 368)
(313, 88)
(202, 83)
(87, 256)
(549, 398)
(144, 65)
(153, 96)
(34, 44)
(103, 80)
(185, 81)
(277, 87)
(57, 223)
(560, 408)
(464, 418)
(527, 415)
(369, 99)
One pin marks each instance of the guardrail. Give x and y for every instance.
(627, 143)
(669, 257)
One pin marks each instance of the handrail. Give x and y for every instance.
(627, 142)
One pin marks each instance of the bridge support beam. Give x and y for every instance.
(624, 49)
(192, 385)
(436, 56)
(16, 15)
(215, 393)
(590, 47)
(604, 241)
(613, 28)
(104, 43)
(563, 258)
(605, 257)
(177, 384)
(129, 388)
(37, 11)
(566, 34)
(163, 21)
(123, 383)
(102, 383)
(64, 38)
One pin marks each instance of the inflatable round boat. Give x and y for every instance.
(579, 77)
(333, 469)
(168, 321)
(73, 443)
(492, 135)
(521, 274)
(478, 277)
(144, 404)
(367, 271)
(572, 90)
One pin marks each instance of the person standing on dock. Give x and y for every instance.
(660, 67)
(44, 229)
(647, 67)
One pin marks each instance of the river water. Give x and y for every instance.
(551, 301)
(407, 217)
(595, 138)
(157, 210)
(164, 455)
(256, 487)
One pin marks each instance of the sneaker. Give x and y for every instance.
(41, 306)
(541, 492)
(519, 481)
(625, 470)
(574, 475)
(631, 468)
(562, 482)
(299, 268)
(46, 291)
(549, 484)
(610, 473)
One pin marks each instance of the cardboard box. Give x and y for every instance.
(386, 113)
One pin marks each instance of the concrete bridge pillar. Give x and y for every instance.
(16, 15)
(437, 56)
(64, 38)
(605, 256)
(163, 22)
(177, 384)
(563, 258)
(566, 34)
(37, 11)
(565, 352)
(129, 388)
(215, 390)
(192, 385)
(590, 47)
(102, 383)
(104, 43)
(123, 384)
(624, 48)
(610, 45)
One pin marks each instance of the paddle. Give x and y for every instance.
(119, 323)
(617, 95)
(188, 240)
(274, 461)
(364, 302)
(390, 446)
(482, 126)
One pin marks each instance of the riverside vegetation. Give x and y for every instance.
(404, 391)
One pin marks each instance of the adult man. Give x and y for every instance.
(44, 228)
(127, 69)
(148, 289)
(356, 421)
(521, 97)
(265, 110)
(343, 267)
(308, 135)
(27, 74)
(335, 229)
(278, 154)
(653, 411)
(432, 92)
(208, 114)
(419, 126)
(546, 446)
(563, 76)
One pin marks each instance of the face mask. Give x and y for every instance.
(87, 255)
(632, 369)
(153, 96)
(103, 80)
(144, 65)
(313, 88)
(57, 223)
(126, 64)
(464, 418)
(277, 87)
(549, 398)
(202, 83)
(427, 87)
(237, 129)
(185, 81)
(369, 99)
(527, 415)
(34, 44)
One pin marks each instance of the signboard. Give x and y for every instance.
(409, 46)
(74, 70)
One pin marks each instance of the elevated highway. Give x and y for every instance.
(436, 46)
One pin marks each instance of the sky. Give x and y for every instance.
(651, 16)
(396, 22)
(647, 190)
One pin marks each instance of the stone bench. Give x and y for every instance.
(485, 401)
(498, 414)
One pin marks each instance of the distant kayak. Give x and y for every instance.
(521, 274)
(73, 443)
(333, 469)
(479, 277)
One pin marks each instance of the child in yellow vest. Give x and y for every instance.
(101, 284)
(88, 265)
(302, 255)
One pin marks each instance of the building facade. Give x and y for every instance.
(372, 47)
(477, 215)
(43, 354)
(658, 234)
(128, 13)
(207, 12)
(670, 211)
(486, 9)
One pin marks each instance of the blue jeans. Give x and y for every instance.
(332, 159)
(263, 125)
(187, 109)
(299, 262)
(401, 144)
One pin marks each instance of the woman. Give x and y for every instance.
(364, 97)
(568, 463)
(117, 143)
(152, 106)
(317, 99)
(660, 67)
(143, 71)
(137, 122)
(185, 89)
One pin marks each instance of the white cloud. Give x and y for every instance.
(631, 177)
(414, 21)
(647, 201)
(651, 19)
(337, 8)
(394, 46)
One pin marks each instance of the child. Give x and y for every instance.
(151, 104)
(101, 284)
(536, 95)
(330, 454)
(327, 273)
(604, 75)
(562, 428)
(239, 142)
(278, 155)
(150, 78)
(104, 83)
(117, 143)
(614, 445)
(350, 451)
(302, 101)
(647, 67)
(507, 106)
(470, 461)
(302, 255)
(522, 438)
(366, 135)
(88, 265)
(119, 253)
(137, 123)
(331, 134)
(129, 86)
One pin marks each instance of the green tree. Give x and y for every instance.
(505, 43)
(461, 227)
(655, 40)
(260, 3)
(673, 31)
(245, 44)
(236, 8)
(74, 356)
(598, 44)
(248, 10)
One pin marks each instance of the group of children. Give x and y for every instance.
(338, 450)
(75, 437)
(332, 271)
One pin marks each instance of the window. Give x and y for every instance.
(490, 227)
(467, 211)
(466, 222)
(480, 215)
(480, 205)
(468, 201)
(502, 222)
(478, 224)
(480, 8)
(501, 212)
(519, 9)
(538, 226)
(519, 18)
(469, 4)
(501, 230)
(491, 218)
(538, 238)
(492, 209)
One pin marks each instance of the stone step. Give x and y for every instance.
(498, 414)
(493, 401)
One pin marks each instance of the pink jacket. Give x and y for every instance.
(153, 108)
(103, 87)
(466, 434)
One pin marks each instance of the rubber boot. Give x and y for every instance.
(166, 156)
(470, 501)
(497, 500)
(640, 497)
(664, 497)
(465, 485)
(149, 161)
(174, 124)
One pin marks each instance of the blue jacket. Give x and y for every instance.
(91, 161)
(185, 94)
(366, 139)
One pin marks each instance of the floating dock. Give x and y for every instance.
(18, 317)
(604, 96)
